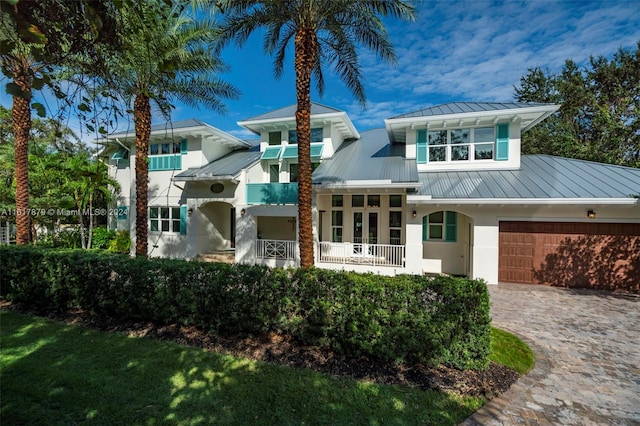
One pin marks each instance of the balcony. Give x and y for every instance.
(272, 193)
(165, 162)
(277, 249)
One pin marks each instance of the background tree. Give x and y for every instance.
(323, 32)
(165, 56)
(35, 37)
(600, 109)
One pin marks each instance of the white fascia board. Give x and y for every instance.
(341, 116)
(205, 178)
(428, 199)
(187, 130)
(368, 184)
(543, 110)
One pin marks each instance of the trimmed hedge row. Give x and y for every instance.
(398, 319)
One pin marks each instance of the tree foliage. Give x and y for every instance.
(599, 117)
(323, 32)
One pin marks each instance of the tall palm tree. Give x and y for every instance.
(34, 38)
(165, 56)
(323, 31)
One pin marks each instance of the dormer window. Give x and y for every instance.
(275, 138)
(464, 144)
(316, 135)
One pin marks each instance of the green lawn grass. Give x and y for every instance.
(58, 374)
(509, 350)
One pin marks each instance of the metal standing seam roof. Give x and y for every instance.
(290, 112)
(539, 177)
(372, 157)
(465, 107)
(227, 166)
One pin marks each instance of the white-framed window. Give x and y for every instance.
(337, 216)
(317, 135)
(395, 227)
(440, 226)
(164, 148)
(462, 144)
(170, 219)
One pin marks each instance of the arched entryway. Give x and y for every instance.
(447, 242)
(218, 227)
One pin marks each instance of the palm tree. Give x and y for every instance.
(165, 56)
(323, 31)
(34, 37)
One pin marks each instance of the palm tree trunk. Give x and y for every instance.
(306, 44)
(142, 122)
(21, 113)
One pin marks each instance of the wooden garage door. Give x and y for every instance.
(591, 255)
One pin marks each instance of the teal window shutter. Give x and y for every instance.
(421, 147)
(183, 146)
(425, 227)
(502, 142)
(183, 220)
(451, 224)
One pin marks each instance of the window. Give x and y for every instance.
(274, 173)
(395, 200)
(168, 219)
(484, 138)
(336, 226)
(395, 227)
(357, 201)
(373, 201)
(336, 201)
(316, 135)
(275, 138)
(165, 148)
(465, 144)
(437, 141)
(440, 226)
(293, 172)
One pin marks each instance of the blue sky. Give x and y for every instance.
(474, 50)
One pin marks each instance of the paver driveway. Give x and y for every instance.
(587, 346)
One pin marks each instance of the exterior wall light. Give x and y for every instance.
(243, 212)
(414, 214)
(591, 214)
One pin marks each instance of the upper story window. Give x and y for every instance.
(275, 138)
(164, 148)
(464, 144)
(316, 135)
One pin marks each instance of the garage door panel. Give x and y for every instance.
(592, 255)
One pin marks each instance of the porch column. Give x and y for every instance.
(413, 246)
(485, 248)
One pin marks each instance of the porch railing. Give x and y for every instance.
(4, 233)
(276, 249)
(362, 254)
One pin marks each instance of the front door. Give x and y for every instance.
(365, 231)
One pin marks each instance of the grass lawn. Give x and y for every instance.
(58, 374)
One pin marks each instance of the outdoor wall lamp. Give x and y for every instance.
(414, 214)
(591, 214)
(243, 212)
(190, 211)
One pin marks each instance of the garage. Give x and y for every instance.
(571, 254)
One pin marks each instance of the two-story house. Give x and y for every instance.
(440, 190)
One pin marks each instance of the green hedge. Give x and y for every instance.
(397, 319)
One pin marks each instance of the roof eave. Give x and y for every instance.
(428, 199)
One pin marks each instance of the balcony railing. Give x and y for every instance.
(272, 193)
(165, 162)
(362, 254)
(276, 249)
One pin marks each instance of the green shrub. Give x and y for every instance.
(402, 319)
(120, 243)
(101, 238)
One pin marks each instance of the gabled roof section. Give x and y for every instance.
(541, 179)
(191, 127)
(227, 167)
(371, 161)
(458, 114)
(285, 118)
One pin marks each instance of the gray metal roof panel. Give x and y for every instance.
(372, 157)
(290, 112)
(465, 107)
(540, 176)
(228, 165)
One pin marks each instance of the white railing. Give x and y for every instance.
(276, 249)
(362, 253)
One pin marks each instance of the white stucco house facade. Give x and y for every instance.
(440, 190)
